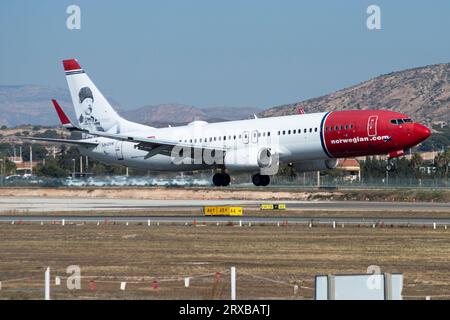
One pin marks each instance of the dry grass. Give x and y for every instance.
(290, 255)
(233, 193)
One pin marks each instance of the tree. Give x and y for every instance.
(443, 162)
(52, 169)
(8, 167)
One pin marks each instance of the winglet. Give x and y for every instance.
(62, 116)
(65, 121)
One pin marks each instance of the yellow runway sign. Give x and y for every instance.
(267, 206)
(223, 211)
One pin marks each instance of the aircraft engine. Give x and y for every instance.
(249, 159)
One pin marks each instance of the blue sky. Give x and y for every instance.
(219, 53)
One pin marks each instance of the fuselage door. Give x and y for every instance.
(119, 151)
(245, 137)
(372, 126)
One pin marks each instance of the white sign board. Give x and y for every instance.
(359, 287)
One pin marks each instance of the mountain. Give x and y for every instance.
(422, 93)
(30, 104)
(178, 114)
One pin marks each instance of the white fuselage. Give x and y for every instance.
(238, 136)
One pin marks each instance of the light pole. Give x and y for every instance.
(73, 171)
(2, 166)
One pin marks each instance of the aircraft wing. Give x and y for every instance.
(152, 145)
(65, 141)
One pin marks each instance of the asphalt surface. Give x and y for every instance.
(30, 204)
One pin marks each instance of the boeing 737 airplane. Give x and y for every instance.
(307, 142)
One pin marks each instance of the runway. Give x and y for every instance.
(149, 220)
(41, 204)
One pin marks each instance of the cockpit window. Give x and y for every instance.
(400, 121)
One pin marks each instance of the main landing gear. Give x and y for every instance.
(260, 180)
(221, 179)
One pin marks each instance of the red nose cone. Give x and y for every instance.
(420, 132)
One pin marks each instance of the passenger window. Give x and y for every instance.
(399, 121)
(310, 130)
(284, 132)
(315, 129)
(336, 128)
(224, 138)
(407, 120)
(289, 131)
(294, 132)
(394, 121)
(346, 127)
(268, 134)
(234, 137)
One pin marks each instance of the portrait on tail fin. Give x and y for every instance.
(87, 118)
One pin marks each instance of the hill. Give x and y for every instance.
(178, 114)
(422, 93)
(31, 104)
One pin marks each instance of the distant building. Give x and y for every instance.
(24, 167)
(351, 168)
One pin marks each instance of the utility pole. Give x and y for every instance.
(31, 159)
(81, 165)
(318, 179)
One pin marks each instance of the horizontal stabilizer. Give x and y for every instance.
(64, 141)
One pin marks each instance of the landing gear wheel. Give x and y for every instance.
(260, 180)
(390, 166)
(221, 179)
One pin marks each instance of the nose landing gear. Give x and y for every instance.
(390, 165)
(221, 179)
(261, 180)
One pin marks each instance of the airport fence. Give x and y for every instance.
(223, 284)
